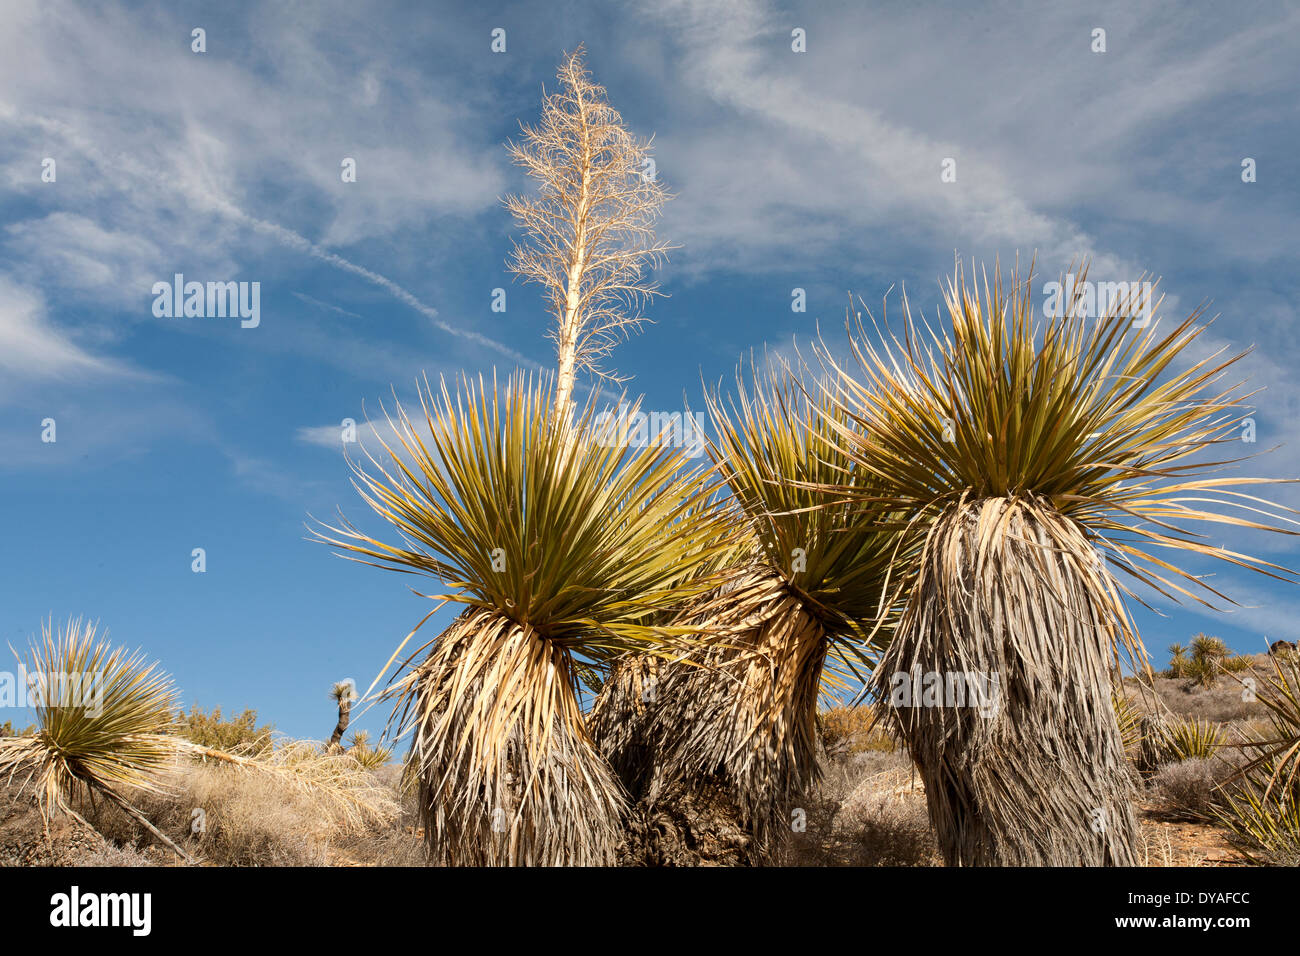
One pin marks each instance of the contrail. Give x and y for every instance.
(296, 241)
(280, 233)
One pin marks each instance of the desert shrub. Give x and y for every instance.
(892, 832)
(851, 730)
(239, 733)
(290, 814)
(864, 812)
(7, 730)
(108, 854)
(1188, 789)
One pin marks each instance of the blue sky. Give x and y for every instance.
(817, 170)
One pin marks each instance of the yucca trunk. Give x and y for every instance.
(1013, 596)
(620, 721)
(726, 744)
(745, 710)
(341, 728)
(508, 774)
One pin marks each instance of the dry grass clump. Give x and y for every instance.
(1188, 789)
(851, 730)
(867, 810)
(290, 812)
(108, 854)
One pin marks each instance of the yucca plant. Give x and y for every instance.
(370, 757)
(802, 611)
(1207, 657)
(1194, 739)
(562, 548)
(1037, 457)
(108, 726)
(622, 714)
(565, 544)
(344, 695)
(1204, 647)
(1262, 800)
(1177, 661)
(1129, 719)
(104, 723)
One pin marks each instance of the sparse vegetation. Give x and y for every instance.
(240, 733)
(1208, 661)
(1262, 804)
(847, 730)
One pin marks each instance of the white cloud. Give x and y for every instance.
(370, 435)
(188, 162)
(832, 157)
(31, 349)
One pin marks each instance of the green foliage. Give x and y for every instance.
(1193, 739)
(105, 719)
(570, 531)
(7, 730)
(372, 758)
(1208, 661)
(1130, 721)
(240, 733)
(1262, 806)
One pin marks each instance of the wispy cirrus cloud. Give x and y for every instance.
(33, 349)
